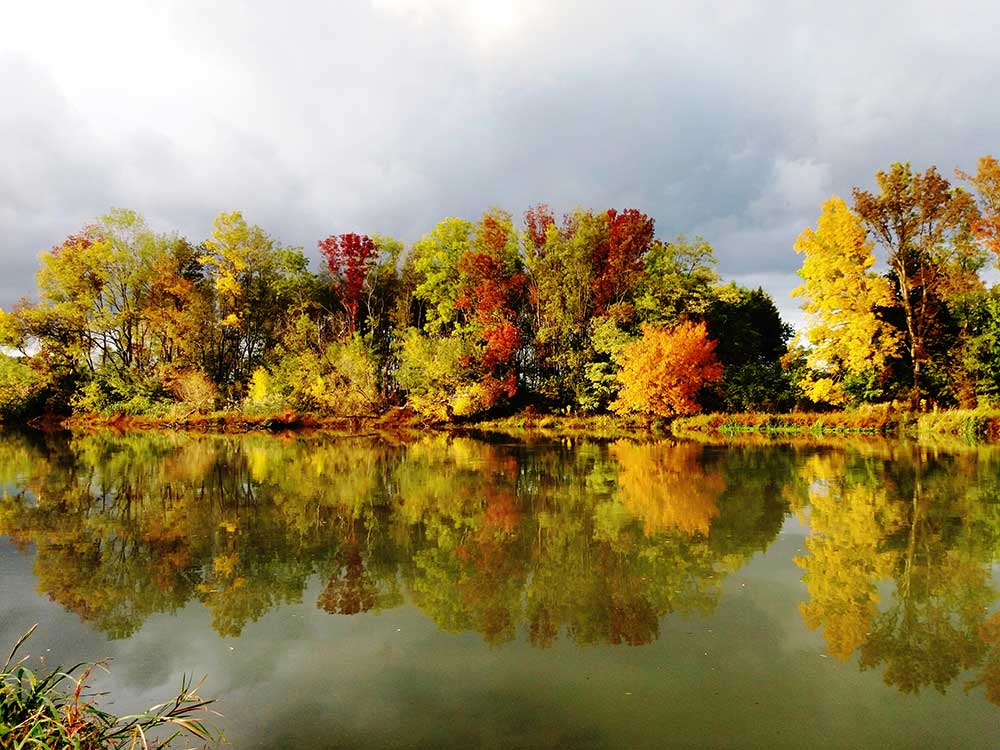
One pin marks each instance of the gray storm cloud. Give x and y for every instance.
(731, 120)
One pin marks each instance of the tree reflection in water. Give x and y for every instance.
(595, 543)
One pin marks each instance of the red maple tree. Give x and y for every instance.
(349, 257)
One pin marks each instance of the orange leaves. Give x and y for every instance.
(667, 486)
(663, 371)
(986, 181)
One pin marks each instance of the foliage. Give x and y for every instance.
(434, 374)
(55, 709)
(22, 390)
(349, 259)
(751, 346)
(663, 371)
(986, 182)
(679, 279)
(492, 290)
(618, 260)
(436, 257)
(925, 228)
(485, 317)
(842, 298)
(341, 379)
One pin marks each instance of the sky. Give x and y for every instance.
(730, 119)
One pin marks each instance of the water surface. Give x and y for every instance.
(453, 592)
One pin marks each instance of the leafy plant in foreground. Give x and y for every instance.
(55, 710)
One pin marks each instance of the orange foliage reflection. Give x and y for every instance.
(666, 486)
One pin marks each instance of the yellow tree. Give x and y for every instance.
(840, 296)
(663, 370)
(259, 286)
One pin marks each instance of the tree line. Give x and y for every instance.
(924, 328)
(589, 313)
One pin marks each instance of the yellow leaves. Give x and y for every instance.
(663, 371)
(225, 565)
(823, 390)
(260, 387)
(227, 285)
(840, 297)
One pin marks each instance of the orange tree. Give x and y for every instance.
(662, 372)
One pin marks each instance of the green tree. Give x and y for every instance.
(436, 257)
(680, 279)
(751, 345)
(259, 288)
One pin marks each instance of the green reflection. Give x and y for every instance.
(594, 543)
(597, 542)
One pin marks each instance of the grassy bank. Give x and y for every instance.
(880, 422)
(969, 426)
(966, 425)
(600, 426)
(238, 421)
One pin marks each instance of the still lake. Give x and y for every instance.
(454, 592)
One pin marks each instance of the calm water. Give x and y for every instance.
(451, 592)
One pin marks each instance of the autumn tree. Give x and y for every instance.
(562, 288)
(986, 183)
(349, 259)
(842, 295)
(492, 291)
(924, 226)
(663, 371)
(618, 260)
(259, 287)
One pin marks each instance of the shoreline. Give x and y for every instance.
(969, 426)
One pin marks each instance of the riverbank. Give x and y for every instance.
(238, 422)
(965, 425)
(969, 426)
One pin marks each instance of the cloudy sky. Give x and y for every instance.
(732, 119)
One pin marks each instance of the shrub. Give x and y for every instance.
(22, 390)
(194, 389)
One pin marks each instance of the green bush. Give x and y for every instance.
(108, 392)
(22, 390)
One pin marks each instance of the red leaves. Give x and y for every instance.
(349, 257)
(73, 242)
(618, 261)
(494, 295)
(538, 219)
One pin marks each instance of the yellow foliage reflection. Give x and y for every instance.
(667, 487)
